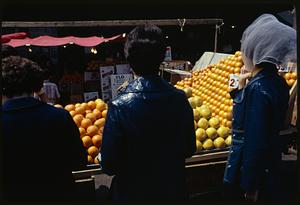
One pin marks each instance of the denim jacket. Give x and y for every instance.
(258, 115)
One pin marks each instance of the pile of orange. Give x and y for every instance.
(290, 78)
(211, 84)
(90, 118)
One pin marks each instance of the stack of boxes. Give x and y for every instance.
(105, 82)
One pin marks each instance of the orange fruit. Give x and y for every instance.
(97, 140)
(73, 113)
(85, 123)
(77, 105)
(70, 107)
(85, 106)
(96, 161)
(91, 116)
(238, 64)
(80, 110)
(291, 82)
(97, 113)
(100, 131)
(82, 131)
(58, 106)
(88, 111)
(101, 106)
(90, 159)
(77, 119)
(99, 101)
(92, 130)
(294, 76)
(92, 105)
(287, 76)
(224, 122)
(237, 70)
(104, 113)
(93, 151)
(228, 124)
(87, 141)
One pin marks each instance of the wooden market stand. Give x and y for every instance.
(204, 170)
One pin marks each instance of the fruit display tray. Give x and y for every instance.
(212, 150)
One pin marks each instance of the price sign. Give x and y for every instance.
(283, 69)
(233, 81)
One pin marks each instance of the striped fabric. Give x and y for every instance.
(51, 91)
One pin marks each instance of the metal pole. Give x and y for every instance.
(216, 39)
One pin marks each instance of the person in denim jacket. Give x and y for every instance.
(259, 110)
(149, 129)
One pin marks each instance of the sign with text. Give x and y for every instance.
(119, 81)
(233, 81)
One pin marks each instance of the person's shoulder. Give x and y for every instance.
(54, 111)
(124, 98)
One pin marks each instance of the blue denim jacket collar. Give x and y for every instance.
(20, 103)
(150, 83)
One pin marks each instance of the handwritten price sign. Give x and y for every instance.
(233, 81)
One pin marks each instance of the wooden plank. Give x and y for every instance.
(158, 22)
(209, 156)
(86, 173)
(206, 164)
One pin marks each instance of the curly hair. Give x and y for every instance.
(20, 75)
(145, 49)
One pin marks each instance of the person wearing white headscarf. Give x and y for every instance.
(259, 110)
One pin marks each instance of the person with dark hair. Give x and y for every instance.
(253, 168)
(41, 144)
(149, 129)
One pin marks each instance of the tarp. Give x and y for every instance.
(6, 38)
(59, 41)
(209, 58)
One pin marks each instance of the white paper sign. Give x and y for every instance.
(90, 96)
(117, 81)
(233, 81)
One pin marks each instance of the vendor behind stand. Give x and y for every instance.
(41, 145)
(50, 89)
(149, 129)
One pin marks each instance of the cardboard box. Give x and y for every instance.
(91, 76)
(123, 69)
(105, 85)
(117, 81)
(106, 96)
(90, 96)
(173, 76)
(106, 71)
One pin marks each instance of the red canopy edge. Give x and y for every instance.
(59, 41)
(6, 38)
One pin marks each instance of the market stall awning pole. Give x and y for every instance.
(158, 22)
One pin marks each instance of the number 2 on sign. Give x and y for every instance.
(233, 81)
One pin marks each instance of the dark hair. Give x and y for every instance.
(20, 75)
(145, 49)
(7, 50)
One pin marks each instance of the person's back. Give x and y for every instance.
(149, 129)
(41, 146)
(155, 121)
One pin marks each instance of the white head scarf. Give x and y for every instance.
(268, 40)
